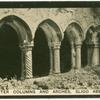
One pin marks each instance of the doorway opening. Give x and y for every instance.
(41, 56)
(10, 54)
(65, 55)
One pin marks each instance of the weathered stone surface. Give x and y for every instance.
(55, 22)
(61, 16)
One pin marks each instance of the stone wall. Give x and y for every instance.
(61, 16)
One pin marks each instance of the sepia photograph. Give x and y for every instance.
(49, 49)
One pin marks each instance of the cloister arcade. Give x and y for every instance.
(49, 51)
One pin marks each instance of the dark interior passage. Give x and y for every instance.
(10, 55)
(84, 54)
(65, 55)
(41, 56)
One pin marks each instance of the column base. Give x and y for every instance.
(51, 73)
(76, 70)
(56, 72)
(28, 77)
(22, 78)
(73, 67)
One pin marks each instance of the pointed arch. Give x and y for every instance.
(74, 32)
(91, 25)
(46, 38)
(17, 33)
(20, 26)
(51, 30)
(72, 35)
(86, 47)
(88, 36)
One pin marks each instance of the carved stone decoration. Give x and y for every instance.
(26, 71)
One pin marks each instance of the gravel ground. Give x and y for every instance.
(87, 78)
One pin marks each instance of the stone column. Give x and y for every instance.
(95, 54)
(78, 56)
(56, 57)
(22, 65)
(51, 60)
(73, 55)
(26, 71)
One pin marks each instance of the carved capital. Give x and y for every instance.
(96, 44)
(78, 42)
(78, 45)
(26, 46)
(56, 45)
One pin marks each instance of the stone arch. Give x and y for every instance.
(88, 27)
(51, 34)
(86, 47)
(74, 32)
(71, 47)
(20, 26)
(89, 33)
(74, 21)
(91, 47)
(24, 37)
(51, 30)
(97, 29)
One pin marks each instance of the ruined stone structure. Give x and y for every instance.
(48, 40)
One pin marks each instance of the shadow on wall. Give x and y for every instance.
(84, 54)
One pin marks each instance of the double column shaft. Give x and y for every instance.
(95, 54)
(55, 58)
(76, 56)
